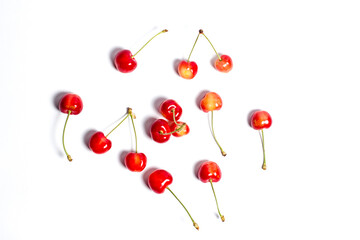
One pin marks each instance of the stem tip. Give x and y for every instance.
(165, 30)
(222, 218)
(201, 31)
(223, 153)
(69, 158)
(264, 166)
(196, 226)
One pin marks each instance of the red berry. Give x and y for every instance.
(209, 170)
(125, 62)
(183, 130)
(260, 120)
(71, 102)
(159, 180)
(135, 162)
(99, 144)
(225, 64)
(170, 109)
(210, 102)
(187, 70)
(160, 130)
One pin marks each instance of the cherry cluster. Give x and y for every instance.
(162, 129)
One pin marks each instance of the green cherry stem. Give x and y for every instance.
(176, 130)
(194, 223)
(163, 31)
(217, 205)
(263, 146)
(202, 32)
(127, 115)
(213, 133)
(174, 119)
(132, 116)
(193, 46)
(63, 137)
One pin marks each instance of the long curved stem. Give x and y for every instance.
(263, 146)
(132, 120)
(217, 205)
(63, 137)
(213, 133)
(202, 32)
(193, 46)
(127, 115)
(174, 119)
(163, 31)
(194, 223)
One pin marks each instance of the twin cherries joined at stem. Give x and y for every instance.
(125, 61)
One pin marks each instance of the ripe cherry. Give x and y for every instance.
(210, 103)
(223, 63)
(159, 180)
(124, 60)
(188, 69)
(160, 131)
(171, 110)
(260, 120)
(71, 104)
(179, 129)
(210, 172)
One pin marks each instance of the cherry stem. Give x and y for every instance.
(163, 31)
(127, 115)
(193, 46)
(194, 223)
(217, 205)
(202, 32)
(132, 120)
(63, 137)
(174, 119)
(263, 146)
(176, 130)
(213, 133)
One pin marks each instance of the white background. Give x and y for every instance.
(298, 60)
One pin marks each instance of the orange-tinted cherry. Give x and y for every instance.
(223, 63)
(179, 129)
(260, 120)
(71, 104)
(210, 172)
(188, 69)
(160, 131)
(159, 180)
(170, 109)
(210, 103)
(124, 60)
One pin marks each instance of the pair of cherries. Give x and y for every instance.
(162, 129)
(160, 179)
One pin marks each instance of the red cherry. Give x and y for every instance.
(135, 162)
(210, 102)
(160, 131)
(99, 144)
(125, 62)
(260, 120)
(224, 64)
(187, 70)
(179, 129)
(71, 104)
(159, 180)
(210, 172)
(170, 109)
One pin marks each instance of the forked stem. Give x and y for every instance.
(202, 32)
(127, 115)
(213, 133)
(194, 223)
(63, 137)
(163, 31)
(263, 147)
(193, 46)
(217, 205)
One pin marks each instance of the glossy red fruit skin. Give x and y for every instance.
(209, 170)
(166, 108)
(99, 144)
(124, 62)
(187, 70)
(159, 180)
(180, 133)
(260, 120)
(71, 102)
(156, 127)
(225, 65)
(211, 102)
(135, 162)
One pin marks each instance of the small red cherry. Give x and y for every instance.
(71, 104)
(99, 143)
(160, 131)
(260, 120)
(135, 162)
(179, 129)
(159, 180)
(187, 70)
(211, 102)
(170, 109)
(124, 60)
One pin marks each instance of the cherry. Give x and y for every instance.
(188, 69)
(179, 129)
(223, 63)
(160, 131)
(71, 104)
(159, 180)
(124, 60)
(171, 110)
(210, 172)
(210, 103)
(260, 120)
